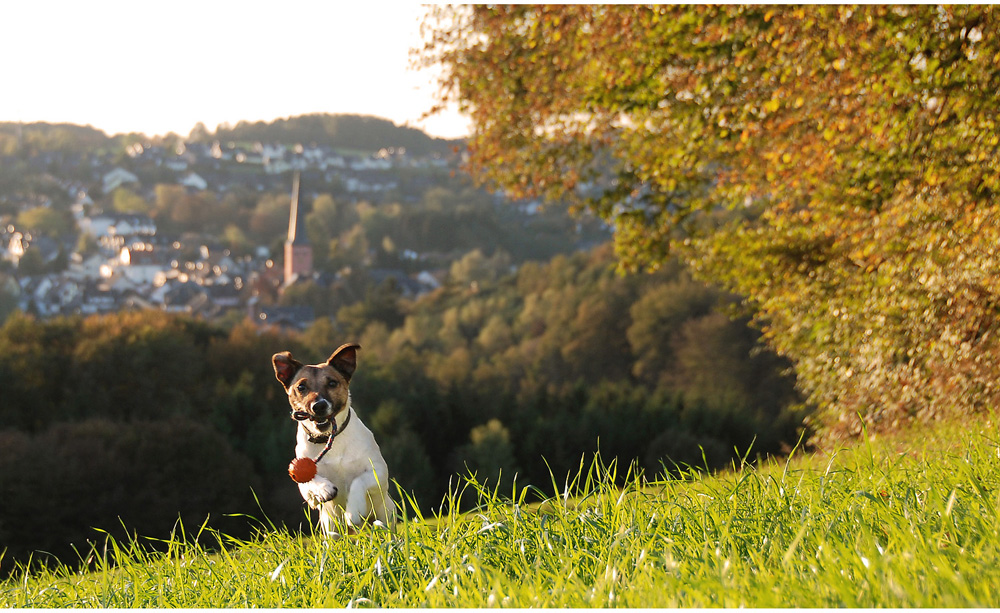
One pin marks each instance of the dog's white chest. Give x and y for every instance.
(353, 455)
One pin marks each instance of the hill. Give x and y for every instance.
(340, 131)
(351, 132)
(40, 136)
(901, 522)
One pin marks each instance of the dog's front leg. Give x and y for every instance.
(360, 505)
(318, 491)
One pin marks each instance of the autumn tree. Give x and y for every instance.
(44, 220)
(837, 165)
(124, 200)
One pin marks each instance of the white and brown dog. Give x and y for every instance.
(352, 480)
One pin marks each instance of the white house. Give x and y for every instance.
(139, 264)
(118, 177)
(176, 164)
(276, 166)
(81, 268)
(118, 224)
(193, 181)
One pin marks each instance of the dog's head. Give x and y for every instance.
(317, 393)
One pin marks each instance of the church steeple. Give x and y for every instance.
(296, 223)
(298, 252)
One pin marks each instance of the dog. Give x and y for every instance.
(352, 479)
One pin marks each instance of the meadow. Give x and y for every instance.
(907, 520)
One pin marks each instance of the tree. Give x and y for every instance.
(489, 455)
(44, 220)
(269, 219)
(125, 200)
(837, 165)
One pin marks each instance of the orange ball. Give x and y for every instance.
(302, 470)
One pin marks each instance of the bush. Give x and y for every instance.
(59, 485)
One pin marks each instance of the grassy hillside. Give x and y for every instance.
(909, 521)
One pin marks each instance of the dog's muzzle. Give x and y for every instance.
(320, 412)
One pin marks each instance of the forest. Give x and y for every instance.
(131, 421)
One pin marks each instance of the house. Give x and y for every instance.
(81, 267)
(133, 225)
(192, 181)
(98, 298)
(118, 224)
(408, 286)
(49, 295)
(117, 178)
(176, 164)
(140, 264)
(186, 297)
(224, 295)
(295, 317)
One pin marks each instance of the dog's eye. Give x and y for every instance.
(301, 387)
(332, 383)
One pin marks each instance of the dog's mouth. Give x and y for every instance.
(320, 423)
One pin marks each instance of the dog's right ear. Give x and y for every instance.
(285, 367)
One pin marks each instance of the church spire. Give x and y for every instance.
(298, 252)
(296, 223)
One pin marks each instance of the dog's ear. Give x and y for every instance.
(345, 359)
(285, 367)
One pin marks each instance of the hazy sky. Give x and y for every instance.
(161, 66)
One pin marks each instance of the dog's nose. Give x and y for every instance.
(320, 407)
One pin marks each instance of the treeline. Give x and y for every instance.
(33, 138)
(146, 416)
(349, 132)
(355, 132)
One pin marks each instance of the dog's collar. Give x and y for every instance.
(326, 438)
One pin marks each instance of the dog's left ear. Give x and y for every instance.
(345, 359)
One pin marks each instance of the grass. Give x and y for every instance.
(908, 521)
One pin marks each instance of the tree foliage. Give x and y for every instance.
(40, 136)
(837, 165)
(45, 220)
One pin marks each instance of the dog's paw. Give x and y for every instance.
(318, 491)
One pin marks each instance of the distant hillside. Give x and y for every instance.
(40, 136)
(360, 132)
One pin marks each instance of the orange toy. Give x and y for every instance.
(302, 470)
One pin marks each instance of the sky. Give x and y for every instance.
(164, 65)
